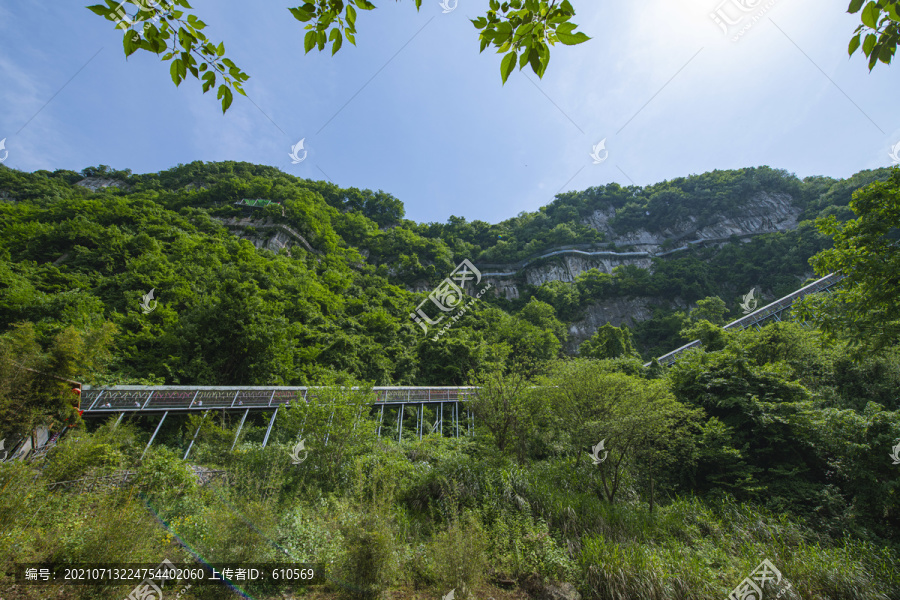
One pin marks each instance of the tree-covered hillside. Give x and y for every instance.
(229, 313)
(593, 474)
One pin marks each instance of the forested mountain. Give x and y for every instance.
(334, 297)
(779, 444)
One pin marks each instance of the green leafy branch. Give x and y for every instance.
(325, 12)
(527, 26)
(181, 39)
(514, 27)
(881, 25)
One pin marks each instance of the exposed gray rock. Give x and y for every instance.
(616, 312)
(764, 213)
(98, 183)
(274, 237)
(568, 267)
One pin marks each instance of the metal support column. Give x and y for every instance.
(456, 411)
(441, 405)
(119, 420)
(153, 437)
(241, 426)
(196, 433)
(400, 424)
(302, 427)
(271, 422)
(381, 420)
(422, 416)
(329, 426)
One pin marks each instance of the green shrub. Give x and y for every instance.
(80, 455)
(308, 533)
(162, 474)
(460, 555)
(523, 548)
(368, 563)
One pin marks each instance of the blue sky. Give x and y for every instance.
(416, 111)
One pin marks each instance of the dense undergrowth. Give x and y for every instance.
(430, 515)
(773, 446)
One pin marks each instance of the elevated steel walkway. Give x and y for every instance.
(165, 399)
(185, 398)
(773, 311)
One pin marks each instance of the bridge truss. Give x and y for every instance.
(162, 400)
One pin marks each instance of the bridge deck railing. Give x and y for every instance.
(199, 398)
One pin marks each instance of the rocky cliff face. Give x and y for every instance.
(617, 312)
(267, 235)
(565, 267)
(568, 267)
(764, 213)
(98, 183)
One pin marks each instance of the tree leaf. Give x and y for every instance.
(99, 10)
(309, 41)
(507, 65)
(335, 37)
(209, 81)
(226, 96)
(130, 42)
(565, 28)
(869, 43)
(854, 44)
(536, 62)
(870, 15)
(855, 5)
(174, 71)
(523, 59)
(571, 40)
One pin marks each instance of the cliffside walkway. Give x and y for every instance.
(773, 311)
(509, 269)
(162, 400)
